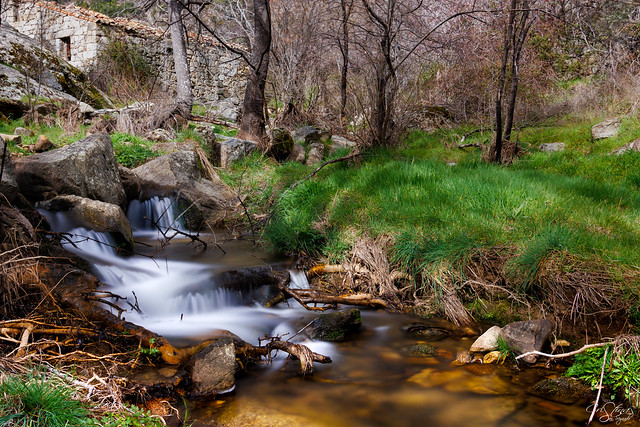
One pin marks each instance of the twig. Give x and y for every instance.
(559, 356)
(595, 406)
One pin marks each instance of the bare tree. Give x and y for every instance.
(520, 19)
(252, 123)
(184, 98)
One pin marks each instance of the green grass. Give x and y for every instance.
(132, 151)
(537, 206)
(36, 401)
(56, 134)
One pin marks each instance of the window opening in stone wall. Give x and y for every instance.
(65, 45)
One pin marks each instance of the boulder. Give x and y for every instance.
(311, 134)
(281, 144)
(297, 154)
(315, 154)
(607, 129)
(231, 150)
(632, 146)
(8, 184)
(336, 327)
(54, 77)
(487, 341)
(22, 131)
(130, 183)
(463, 358)
(212, 369)
(94, 215)
(568, 391)
(159, 135)
(528, 335)
(338, 142)
(86, 168)
(43, 144)
(208, 133)
(206, 202)
(552, 147)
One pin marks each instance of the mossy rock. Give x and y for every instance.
(422, 350)
(336, 327)
(281, 144)
(562, 390)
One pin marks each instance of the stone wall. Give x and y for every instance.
(78, 34)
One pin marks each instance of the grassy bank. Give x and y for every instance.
(569, 211)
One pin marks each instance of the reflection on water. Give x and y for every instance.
(373, 381)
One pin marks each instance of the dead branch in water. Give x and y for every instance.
(299, 351)
(308, 296)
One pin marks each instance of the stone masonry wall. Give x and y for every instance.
(78, 34)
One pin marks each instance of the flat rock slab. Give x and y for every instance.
(552, 147)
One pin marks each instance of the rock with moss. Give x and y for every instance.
(86, 168)
(203, 198)
(337, 326)
(422, 350)
(425, 331)
(94, 215)
(563, 390)
(281, 144)
(310, 134)
(315, 154)
(27, 65)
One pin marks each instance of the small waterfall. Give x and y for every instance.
(176, 298)
(159, 211)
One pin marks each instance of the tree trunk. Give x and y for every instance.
(252, 124)
(495, 152)
(344, 49)
(184, 99)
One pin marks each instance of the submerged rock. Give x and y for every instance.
(86, 168)
(487, 341)
(205, 202)
(424, 331)
(528, 335)
(562, 390)
(212, 369)
(422, 350)
(337, 326)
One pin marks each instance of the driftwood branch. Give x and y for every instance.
(562, 355)
(595, 406)
(213, 121)
(301, 352)
(305, 297)
(471, 144)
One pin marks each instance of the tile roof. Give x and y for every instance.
(141, 29)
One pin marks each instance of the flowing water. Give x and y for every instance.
(374, 379)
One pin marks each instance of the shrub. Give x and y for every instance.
(132, 151)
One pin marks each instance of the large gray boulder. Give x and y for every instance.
(231, 150)
(528, 335)
(607, 129)
(212, 369)
(94, 215)
(338, 142)
(8, 184)
(86, 168)
(28, 66)
(205, 202)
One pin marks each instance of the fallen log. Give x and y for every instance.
(308, 296)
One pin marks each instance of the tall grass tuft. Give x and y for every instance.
(37, 401)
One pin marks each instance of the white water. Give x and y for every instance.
(178, 299)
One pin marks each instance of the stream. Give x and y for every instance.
(374, 379)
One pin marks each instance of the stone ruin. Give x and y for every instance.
(78, 34)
